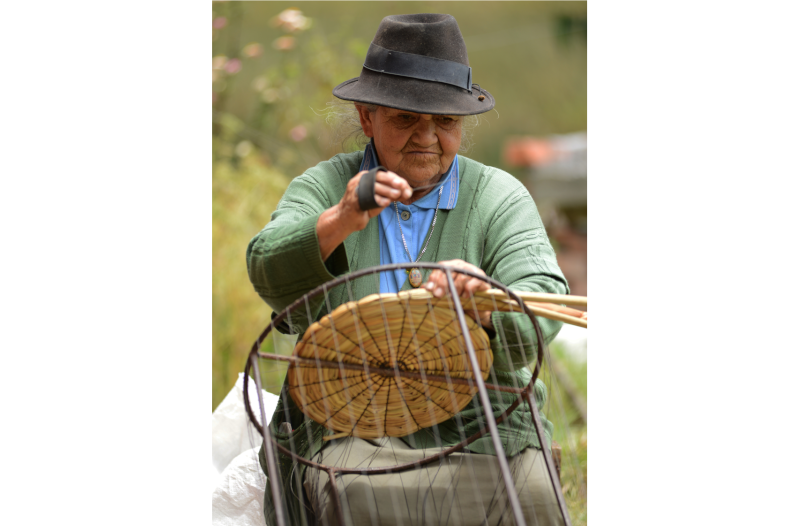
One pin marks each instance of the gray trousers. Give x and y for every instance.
(463, 489)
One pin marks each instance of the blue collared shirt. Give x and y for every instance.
(415, 228)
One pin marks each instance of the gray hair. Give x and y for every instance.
(342, 116)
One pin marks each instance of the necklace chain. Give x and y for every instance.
(433, 225)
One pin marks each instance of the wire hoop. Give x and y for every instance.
(476, 382)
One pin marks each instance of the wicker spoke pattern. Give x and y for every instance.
(384, 334)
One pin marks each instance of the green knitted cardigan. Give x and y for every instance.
(494, 226)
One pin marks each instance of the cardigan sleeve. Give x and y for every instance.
(518, 253)
(284, 259)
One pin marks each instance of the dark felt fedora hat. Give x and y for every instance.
(418, 63)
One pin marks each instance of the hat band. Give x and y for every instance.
(418, 67)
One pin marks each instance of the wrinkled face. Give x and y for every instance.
(415, 146)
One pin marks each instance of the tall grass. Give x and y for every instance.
(245, 193)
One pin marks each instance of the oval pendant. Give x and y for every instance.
(415, 277)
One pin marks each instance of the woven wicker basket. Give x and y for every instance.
(379, 338)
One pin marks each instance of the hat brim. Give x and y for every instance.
(410, 94)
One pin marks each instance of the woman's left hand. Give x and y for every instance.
(466, 286)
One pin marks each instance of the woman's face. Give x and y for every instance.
(415, 146)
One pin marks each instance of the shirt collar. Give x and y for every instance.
(449, 181)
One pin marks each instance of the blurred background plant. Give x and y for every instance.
(274, 65)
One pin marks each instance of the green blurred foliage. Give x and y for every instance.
(574, 458)
(254, 145)
(283, 83)
(245, 192)
(570, 431)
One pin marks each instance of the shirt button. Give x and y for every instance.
(404, 215)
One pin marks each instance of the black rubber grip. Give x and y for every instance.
(366, 189)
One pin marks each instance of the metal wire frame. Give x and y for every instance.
(525, 394)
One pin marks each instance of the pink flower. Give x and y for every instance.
(233, 66)
(284, 43)
(292, 20)
(220, 22)
(298, 133)
(252, 50)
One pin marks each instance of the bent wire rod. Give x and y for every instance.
(548, 458)
(390, 373)
(270, 452)
(337, 505)
(408, 465)
(513, 498)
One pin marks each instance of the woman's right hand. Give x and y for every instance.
(388, 187)
(346, 217)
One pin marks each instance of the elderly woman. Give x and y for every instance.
(433, 205)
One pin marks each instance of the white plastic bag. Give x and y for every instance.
(238, 495)
(231, 430)
(238, 499)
